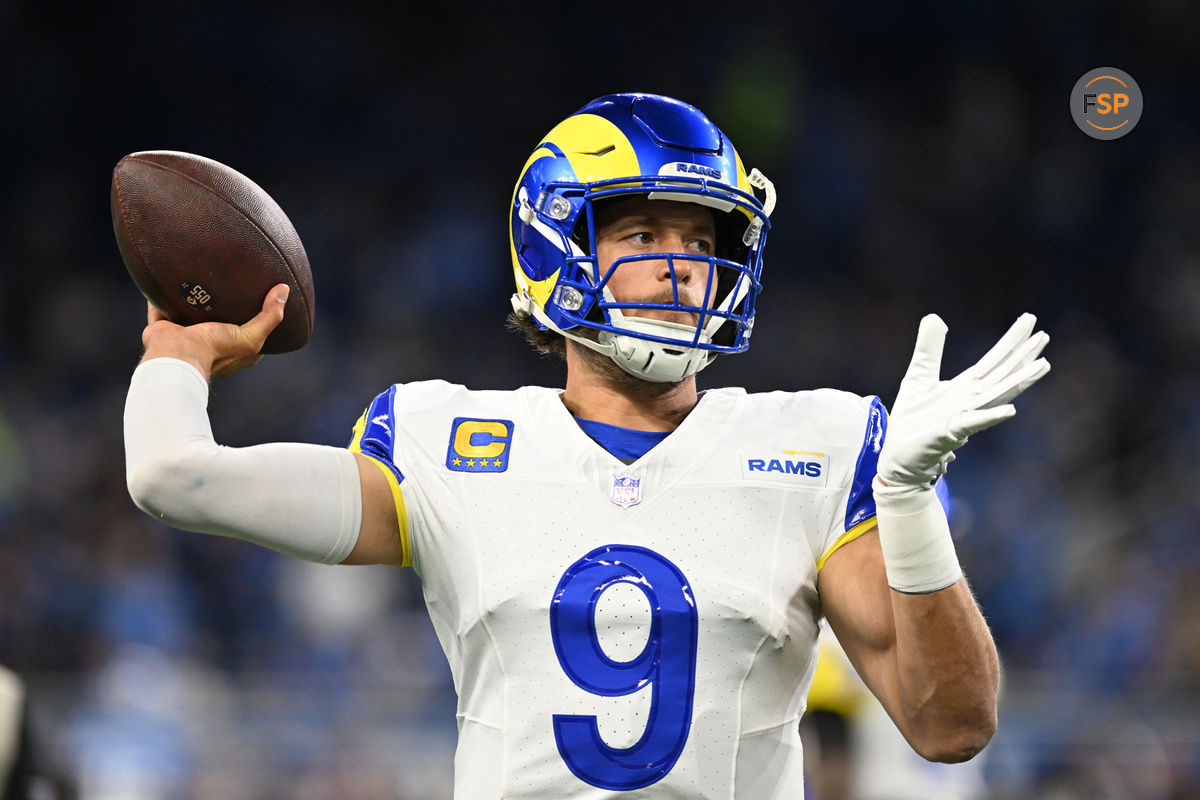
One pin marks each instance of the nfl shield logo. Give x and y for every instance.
(626, 491)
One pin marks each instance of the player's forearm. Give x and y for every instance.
(947, 672)
(946, 668)
(299, 499)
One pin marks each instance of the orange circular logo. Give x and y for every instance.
(1106, 103)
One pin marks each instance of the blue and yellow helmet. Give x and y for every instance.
(630, 144)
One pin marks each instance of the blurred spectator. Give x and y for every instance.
(28, 769)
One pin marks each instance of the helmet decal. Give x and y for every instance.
(595, 148)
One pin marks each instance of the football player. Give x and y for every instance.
(627, 574)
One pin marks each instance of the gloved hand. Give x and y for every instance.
(931, 418)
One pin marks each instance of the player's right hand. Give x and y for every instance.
(217, 349)
(931, 418)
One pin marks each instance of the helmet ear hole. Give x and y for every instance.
(731, 227)
(595, 315)
(726, 333)
(581, 236)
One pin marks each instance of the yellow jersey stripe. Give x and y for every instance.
(357, 431)
(849, 536)
(401, 512)
(355, 446)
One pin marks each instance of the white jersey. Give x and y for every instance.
(647, 628)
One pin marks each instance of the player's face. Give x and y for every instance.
(637, 225)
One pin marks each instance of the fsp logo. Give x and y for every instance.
(479, 445)
(1106, 103)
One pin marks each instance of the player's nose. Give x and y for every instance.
(675, 268)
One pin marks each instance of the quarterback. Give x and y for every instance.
(627, 574)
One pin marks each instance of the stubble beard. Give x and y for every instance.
(604, 367)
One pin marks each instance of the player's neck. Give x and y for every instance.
(600, 391)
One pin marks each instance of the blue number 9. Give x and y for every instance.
(667, 663)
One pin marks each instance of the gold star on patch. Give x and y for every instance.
(470, 462)
(497, 463)
(457, 462)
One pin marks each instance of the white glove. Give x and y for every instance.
(931, 418)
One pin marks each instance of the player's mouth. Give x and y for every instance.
(667, 297)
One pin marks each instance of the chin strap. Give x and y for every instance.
(657, 362)
(654, 361)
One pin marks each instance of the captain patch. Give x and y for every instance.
(479, 445)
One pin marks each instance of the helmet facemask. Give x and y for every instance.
(632, 332)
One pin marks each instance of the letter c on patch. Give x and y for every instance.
(478, 438)
(479, 445)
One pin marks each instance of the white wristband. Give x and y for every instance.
(304, 500)
(918, 551)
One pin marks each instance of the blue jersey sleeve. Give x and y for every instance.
(374, 434)
(861, 505)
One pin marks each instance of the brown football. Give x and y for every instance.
(204, 243)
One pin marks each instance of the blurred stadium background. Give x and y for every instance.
(925, 160)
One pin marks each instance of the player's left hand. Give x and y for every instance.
(931, 418)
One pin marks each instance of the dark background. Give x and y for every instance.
(925, 160)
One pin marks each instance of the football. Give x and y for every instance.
(204, 243)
